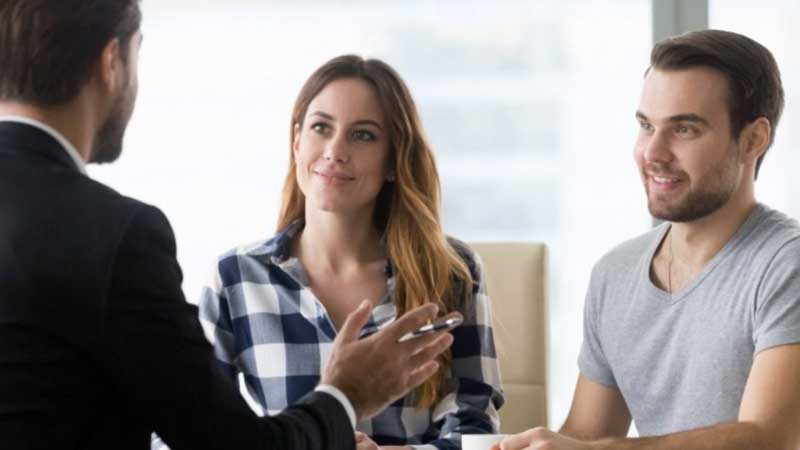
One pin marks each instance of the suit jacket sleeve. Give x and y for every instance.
(154, 353)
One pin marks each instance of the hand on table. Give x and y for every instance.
(540, 439)
(377, 370)
(363, 442)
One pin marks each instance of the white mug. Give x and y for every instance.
(480, 441)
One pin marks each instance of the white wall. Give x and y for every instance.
(529, 106)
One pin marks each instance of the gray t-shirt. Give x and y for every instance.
(681, 361)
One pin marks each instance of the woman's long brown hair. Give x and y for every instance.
(425, 266)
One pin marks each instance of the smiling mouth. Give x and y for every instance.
(333, 177)
(664, 180)
(661, 183)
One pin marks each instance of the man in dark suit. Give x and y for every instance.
(98, 347)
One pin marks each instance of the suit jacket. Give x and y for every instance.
(98, 347)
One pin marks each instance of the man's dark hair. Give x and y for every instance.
(754, 81)
(48, 48)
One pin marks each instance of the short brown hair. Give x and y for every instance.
(49, 47)
(754, 81)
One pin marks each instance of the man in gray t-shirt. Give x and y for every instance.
(681, 360)
(693, 329)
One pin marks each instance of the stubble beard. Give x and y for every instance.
(712, 192)
(108, 142)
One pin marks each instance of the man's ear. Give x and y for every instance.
(109, 68)
(754, 140)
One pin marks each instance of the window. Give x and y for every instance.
(529, 107)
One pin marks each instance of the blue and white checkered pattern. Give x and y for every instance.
(266, 324)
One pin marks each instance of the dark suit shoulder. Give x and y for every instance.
(59, 237)
(145, 266)
(147, 227)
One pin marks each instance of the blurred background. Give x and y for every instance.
(529, 106)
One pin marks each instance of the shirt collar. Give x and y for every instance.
(68, 147)
(279, 248)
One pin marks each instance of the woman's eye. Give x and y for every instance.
(363, 135)
(320, 127)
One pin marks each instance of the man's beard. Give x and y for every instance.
(712, 192)
(108, 142)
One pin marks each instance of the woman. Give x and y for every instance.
(359, 219)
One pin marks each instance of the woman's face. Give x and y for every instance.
(341, 149)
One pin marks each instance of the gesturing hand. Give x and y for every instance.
(377, 370)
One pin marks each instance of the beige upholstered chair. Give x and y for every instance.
(517, 282)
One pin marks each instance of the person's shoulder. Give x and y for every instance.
(276, 245)
(106, 215)
(467, 254)
(774, 234)
(105, 205)
(89, 190)
(461, 247)
(253, 257)
(246, 249)
(777, 227)
(136, 228)
(629, 253)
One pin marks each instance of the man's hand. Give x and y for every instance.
(540, 439)
(363, 442)
(377, 370)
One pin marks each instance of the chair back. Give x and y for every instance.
(517, 283)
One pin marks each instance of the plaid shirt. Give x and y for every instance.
(265, 323)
